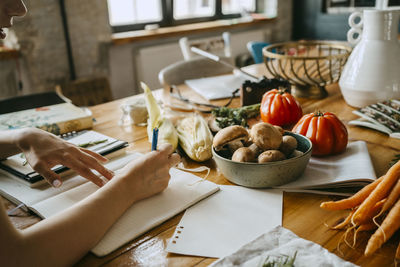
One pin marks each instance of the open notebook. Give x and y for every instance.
(184, 190)
(352, 168)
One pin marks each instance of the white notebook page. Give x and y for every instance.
(348, 168)
(222, 223)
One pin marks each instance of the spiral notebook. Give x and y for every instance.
(227, 220)
(184, 190)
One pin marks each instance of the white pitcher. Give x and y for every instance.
(372, 72)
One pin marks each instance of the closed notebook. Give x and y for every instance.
(222, 223)
(57, 119)
(183, 191)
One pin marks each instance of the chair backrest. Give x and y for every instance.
(88, 91)
(220, 46)
(255, 49)
(180, 71)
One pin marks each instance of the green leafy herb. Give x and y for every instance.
(281, 261)
(235, 116)
(92, 143)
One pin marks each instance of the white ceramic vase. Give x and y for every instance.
(372, 72)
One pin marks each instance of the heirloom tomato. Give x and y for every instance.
(326, 132)
(279, 107)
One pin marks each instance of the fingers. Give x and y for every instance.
(92, 163)
(51, 177)
(174, 159)
(166, 149)
(84, 171)
(95, 155)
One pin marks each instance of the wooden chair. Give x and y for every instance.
(217, 45)
(88, 91)
(194, 68)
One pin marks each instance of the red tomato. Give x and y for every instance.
(327, 133)
(280, 108)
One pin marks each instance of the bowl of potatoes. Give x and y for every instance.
(264, 156)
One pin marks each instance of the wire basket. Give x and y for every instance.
(308, 65)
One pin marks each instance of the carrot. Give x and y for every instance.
(391, 199)
(380, 192)
(398, 252)
(389, 225)
(352, 201)
(366, 227)
(345, 222)
(363, 228)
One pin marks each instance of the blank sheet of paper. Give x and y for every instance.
(216, 87)
(222, 223)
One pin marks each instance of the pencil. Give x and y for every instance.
(155, 139)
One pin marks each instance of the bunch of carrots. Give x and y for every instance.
(376, 206)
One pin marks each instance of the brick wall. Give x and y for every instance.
(44, 55)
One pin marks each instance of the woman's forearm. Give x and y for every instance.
(8, 143)
(65, 238)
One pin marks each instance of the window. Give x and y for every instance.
(136, 14)
(134, 11)
(237, 6)
(184, 9)
(348, 6)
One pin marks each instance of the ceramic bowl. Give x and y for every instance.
(260, 175)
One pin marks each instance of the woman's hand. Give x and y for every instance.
(44, 150)
(149, 174)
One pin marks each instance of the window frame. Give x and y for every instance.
(168, 17)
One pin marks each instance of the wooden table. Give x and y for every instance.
(301, 212)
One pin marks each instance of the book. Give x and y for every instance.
(183, 191)
(383, 116)
(58, 119)
(16, 166)
(336, 174)
(31, 101)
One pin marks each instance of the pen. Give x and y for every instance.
(155, 139)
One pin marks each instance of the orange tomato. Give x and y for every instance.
(327, 133)
(279, 107)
